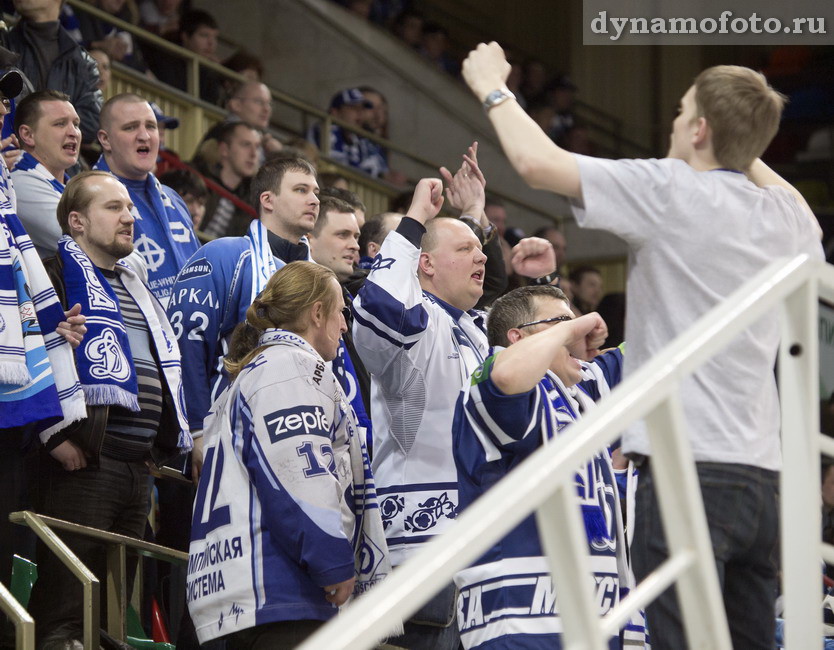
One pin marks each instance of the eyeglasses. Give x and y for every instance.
(544, 321)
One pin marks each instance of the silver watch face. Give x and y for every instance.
(497, 97)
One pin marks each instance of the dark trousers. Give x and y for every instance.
(112, 497)
(14, 539)
(742, 508)
(434, 626)
(13, 497)
(281, 635)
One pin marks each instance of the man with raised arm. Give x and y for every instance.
(528, 390)
(418, 335)
(668, 211)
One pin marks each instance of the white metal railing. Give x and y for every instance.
(787, 290)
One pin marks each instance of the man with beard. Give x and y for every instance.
(95, 473)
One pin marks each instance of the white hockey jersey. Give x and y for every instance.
(419, 351)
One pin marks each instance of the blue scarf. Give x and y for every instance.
(105, 364)
(587, 485)
(104, 361)
(162, 233)
(38, 381)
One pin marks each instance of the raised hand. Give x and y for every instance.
(585, 335)
(427, 200)
(533, 257)
(12, 155)
(485, 69)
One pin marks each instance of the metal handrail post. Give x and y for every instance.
(24, 624)
(678, 493)
(116, 591)
(192, 84)
(565, 542)
(324, 136)
(801, 517)
(90, 584)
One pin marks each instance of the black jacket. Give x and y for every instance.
(74, 72)
(89, 433)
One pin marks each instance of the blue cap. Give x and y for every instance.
(165, 120)
(350, 97)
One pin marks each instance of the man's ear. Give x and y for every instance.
(104, 140)
(702, 132)
(222, 150)
(373, 249)
(25, 135)
(426, 265)
(76, 222)
(266, 199)
(514, 335)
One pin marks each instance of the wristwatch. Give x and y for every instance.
(496, 97)
(546, 279)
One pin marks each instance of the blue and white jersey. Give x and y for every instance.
(163, 232)
(352, 150)
(271, 524)
(507, 598)
(209, 298)
(419, 351)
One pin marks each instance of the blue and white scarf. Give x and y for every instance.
(38, 380)
(264, 263)
(371, 560)
(566, 404)
(163, 235)
(28, 163)
(104, 361)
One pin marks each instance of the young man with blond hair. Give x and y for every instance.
(668, 211)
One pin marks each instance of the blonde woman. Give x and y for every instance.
(286, 526)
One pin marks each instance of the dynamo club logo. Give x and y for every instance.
(107, 359)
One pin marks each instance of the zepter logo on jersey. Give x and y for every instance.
(297, 421)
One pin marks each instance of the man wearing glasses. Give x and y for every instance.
(525, 393)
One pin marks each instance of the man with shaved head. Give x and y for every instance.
(418, 334)
(163, 232)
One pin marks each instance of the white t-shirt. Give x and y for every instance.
(694, 238)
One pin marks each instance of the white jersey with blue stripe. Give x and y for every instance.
(271, 524)
(419, 351)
